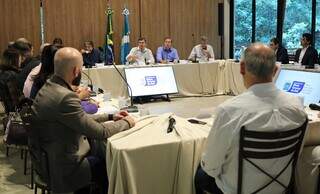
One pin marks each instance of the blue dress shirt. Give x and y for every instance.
(169, 55)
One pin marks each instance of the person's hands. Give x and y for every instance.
(120, 115)
(130, 121)
(83, 93)
(163, 61)
(206, 52)
(132, 58)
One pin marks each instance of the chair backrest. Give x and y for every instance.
(39, 156)
(270, 145)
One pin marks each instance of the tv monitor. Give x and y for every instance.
(150, 81)
(300, 83)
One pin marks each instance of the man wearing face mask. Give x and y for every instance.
(202, 52)
(61, 128)
(91, 55)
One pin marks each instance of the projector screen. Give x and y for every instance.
(147, 81)
(300, 83)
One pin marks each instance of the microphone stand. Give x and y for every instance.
(92, 93)
(130, 108)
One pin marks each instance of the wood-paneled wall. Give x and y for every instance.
(19, 18)
(76, 21)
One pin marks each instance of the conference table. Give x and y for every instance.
(193, 79)
(147, 159)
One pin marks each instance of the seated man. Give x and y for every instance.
(202, 52)
(62, 129)
(91, 55)
(166, 53)
(110, 56)
(140, 54)
(262, 107)
(280, 51)
(307, 55)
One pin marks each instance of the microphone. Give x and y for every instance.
(172, 123)
(89, 78)
(130, 108)
(314, 107)
(194, 60)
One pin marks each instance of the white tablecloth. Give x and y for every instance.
(147, 159)
(193, 79)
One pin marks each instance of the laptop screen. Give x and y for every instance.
(147, 81)
(300, 83)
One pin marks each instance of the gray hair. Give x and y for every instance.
(259, 60)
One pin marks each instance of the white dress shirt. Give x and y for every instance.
(303, 51)
(200, 54)
(262, 107)
(143, 55)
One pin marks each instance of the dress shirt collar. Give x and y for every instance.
(58, 80)
(263, 88)
(167, 49)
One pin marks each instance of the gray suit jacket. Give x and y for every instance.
(60, 128)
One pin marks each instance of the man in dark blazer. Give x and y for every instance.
(63, 130)
(307, 55)
(280, 51)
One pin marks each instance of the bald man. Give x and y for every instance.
(262, 107)
(61, 128)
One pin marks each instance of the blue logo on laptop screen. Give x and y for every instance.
(296, 87)
(150, 80)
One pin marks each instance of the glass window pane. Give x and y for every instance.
(242, 25)
(297, 21)
(266, 20)
(317, 34)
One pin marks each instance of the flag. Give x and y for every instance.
(125, 42)
(109, 37)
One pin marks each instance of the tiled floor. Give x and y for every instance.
(12, 180)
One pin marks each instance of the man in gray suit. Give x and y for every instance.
(61, 128)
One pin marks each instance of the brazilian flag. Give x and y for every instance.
(109, 36)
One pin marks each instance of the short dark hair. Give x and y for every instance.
(57, 41)
(308, 37)
(168, 37)
(142, 38)
(10, 58)
(22, 47)
(275, 40)
(90, 42)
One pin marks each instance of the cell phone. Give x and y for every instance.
(194, 121)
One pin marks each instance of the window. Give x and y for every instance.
(242, 26)
(297, 21)
(266, 20)
(317, 32)
(266, 23)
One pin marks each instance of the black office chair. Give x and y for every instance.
(270, 145)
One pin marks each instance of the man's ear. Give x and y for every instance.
(75, 71)
(275, 70)
(242, 68)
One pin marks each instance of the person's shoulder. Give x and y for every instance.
(160, 48)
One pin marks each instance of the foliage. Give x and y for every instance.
(297, 21)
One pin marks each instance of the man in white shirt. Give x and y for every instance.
(202, 52)
(140, 55)
(262, 107)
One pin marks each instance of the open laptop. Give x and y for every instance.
(149, 81)
(300, 83)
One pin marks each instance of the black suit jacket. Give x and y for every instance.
(282, 55)
(310, 57)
